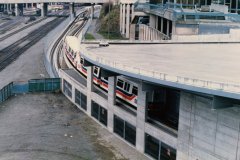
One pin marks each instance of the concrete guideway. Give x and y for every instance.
(207, 68)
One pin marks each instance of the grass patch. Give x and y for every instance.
(112, 35)
(89, 36)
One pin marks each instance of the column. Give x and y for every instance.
(32, 5)
(121, 14)
(127, 20)
(168, 28)
(72, 11)
(8, 8)
(123, 22)
(16, 10)
(132, 12)
(161, 24)
(44, 9)
(111, 100)
(92, 10)
(141, 109)
(89, 89)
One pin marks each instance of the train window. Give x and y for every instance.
(135, 90)
(120, 83)
(127, 86)
(95, 71)
(81, 61)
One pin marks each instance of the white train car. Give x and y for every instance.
(126, 90)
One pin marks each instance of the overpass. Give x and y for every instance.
(50, 1)
(19, 4)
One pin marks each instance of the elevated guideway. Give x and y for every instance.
(204, 68)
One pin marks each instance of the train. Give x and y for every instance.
(126, 91)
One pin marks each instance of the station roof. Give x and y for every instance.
(204, 62)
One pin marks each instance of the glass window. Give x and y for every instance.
(151, 146)
(95, 71)
(95, 110)
(167, 152)
(135, 90)
(67, 88)
(84, 101)
(120, 83)
(118, 126)
(130, 133)
(81, 60)
(103, 116)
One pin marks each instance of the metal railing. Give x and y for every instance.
(233, 87)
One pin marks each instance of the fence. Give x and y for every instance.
(6, 92)
(33, 85)
(44, 85)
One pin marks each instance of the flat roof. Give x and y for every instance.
(206, 62)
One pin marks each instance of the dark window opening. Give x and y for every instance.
(81, 99)
(163, 107)
(135, 90)
(99, 113)
(67, 88)
(120, 83)
(125, 130)
(158, 150)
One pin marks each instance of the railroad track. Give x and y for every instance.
(12, 52)
(10, 25)
(21, 29)
(70, 31)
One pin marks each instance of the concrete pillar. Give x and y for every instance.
(161, 24)
(121, 17)
(32, 5)
(111, 100)
(44, 9)
(8, 7)
(168, 28)
(72, 11)
(89, 89)
(124, 19)
(92, 10)
(141, 112)
(26, 5)
(132, 12)
(16, 10)
(152, 21)
(128, 21)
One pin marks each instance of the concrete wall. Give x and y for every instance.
(233, 36)
(207, 134)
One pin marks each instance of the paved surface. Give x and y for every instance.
(212, 62)
(48, 127)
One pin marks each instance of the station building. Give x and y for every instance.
(165, 20)
(191, 117)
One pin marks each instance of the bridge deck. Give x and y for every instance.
(207, 62)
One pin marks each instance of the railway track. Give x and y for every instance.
(13, 51)
(21, 29)
(71, 30)
(10, 25)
